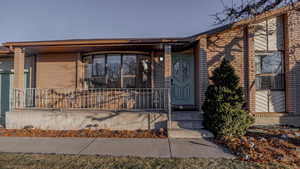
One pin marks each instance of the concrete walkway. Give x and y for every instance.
(115, 147)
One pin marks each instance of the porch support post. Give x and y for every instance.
(152, 69)
(250, 68)
(19, 61)
(201, 71)
(167, 65)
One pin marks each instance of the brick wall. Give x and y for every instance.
(56, 70)
(167, 65)
(249, 68)
(236, 45)
(202, 79)
(292, 63)
(229, 45)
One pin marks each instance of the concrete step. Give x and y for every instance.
(189, 133)
(187, 124)
(186, 115)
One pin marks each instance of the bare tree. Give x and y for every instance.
(240, 9)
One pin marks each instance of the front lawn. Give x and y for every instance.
(41, 161)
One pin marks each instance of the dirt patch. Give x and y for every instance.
(84, 133)
(267, 145)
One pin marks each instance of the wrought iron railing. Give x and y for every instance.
(116, 99)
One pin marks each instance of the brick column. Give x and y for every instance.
(249, 67)
(19, 60)
(201, 70)
(292, 62)
(167, 65)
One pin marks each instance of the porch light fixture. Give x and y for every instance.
(161, 58)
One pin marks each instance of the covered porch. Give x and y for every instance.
(148, 77)
(114, 75)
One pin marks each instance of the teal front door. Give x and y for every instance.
(6, 85)
(182, 79)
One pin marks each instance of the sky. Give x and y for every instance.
(31, 20)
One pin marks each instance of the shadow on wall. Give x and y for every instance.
(82, 119)
(227, 46)
(151, 119)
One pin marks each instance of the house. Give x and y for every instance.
(139, 83)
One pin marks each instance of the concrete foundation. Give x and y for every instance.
(277, 119)
(76, 120)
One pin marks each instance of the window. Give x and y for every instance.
(269, 72)
(269, 35)
(113, 68)
(143, 72)
(268, 43)
(129, 71)
(99, 66)
(119, 70)
(269, 64)
(98, 71)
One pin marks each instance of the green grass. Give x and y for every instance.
(39, 161)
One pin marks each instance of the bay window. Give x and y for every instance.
(119, 71)
(113, 70)
(129, 71)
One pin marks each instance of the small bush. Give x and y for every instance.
(224, 112)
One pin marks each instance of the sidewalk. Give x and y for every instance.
(115, 147)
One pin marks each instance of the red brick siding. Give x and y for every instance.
(292, 62)
(230, 45)
(56, 70)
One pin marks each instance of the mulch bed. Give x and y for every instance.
(84, 133)
(267, 145)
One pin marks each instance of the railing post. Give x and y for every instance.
(12, 99)
(169, 108)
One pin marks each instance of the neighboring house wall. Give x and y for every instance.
(56, 70)
(7, 66)
(6, 63)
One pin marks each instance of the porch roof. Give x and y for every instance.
(4, 50)
(98, 41)
(90, 45)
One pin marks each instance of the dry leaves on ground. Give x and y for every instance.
(84, 133)
(267, 145)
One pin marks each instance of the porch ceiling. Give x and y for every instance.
(106, 47)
